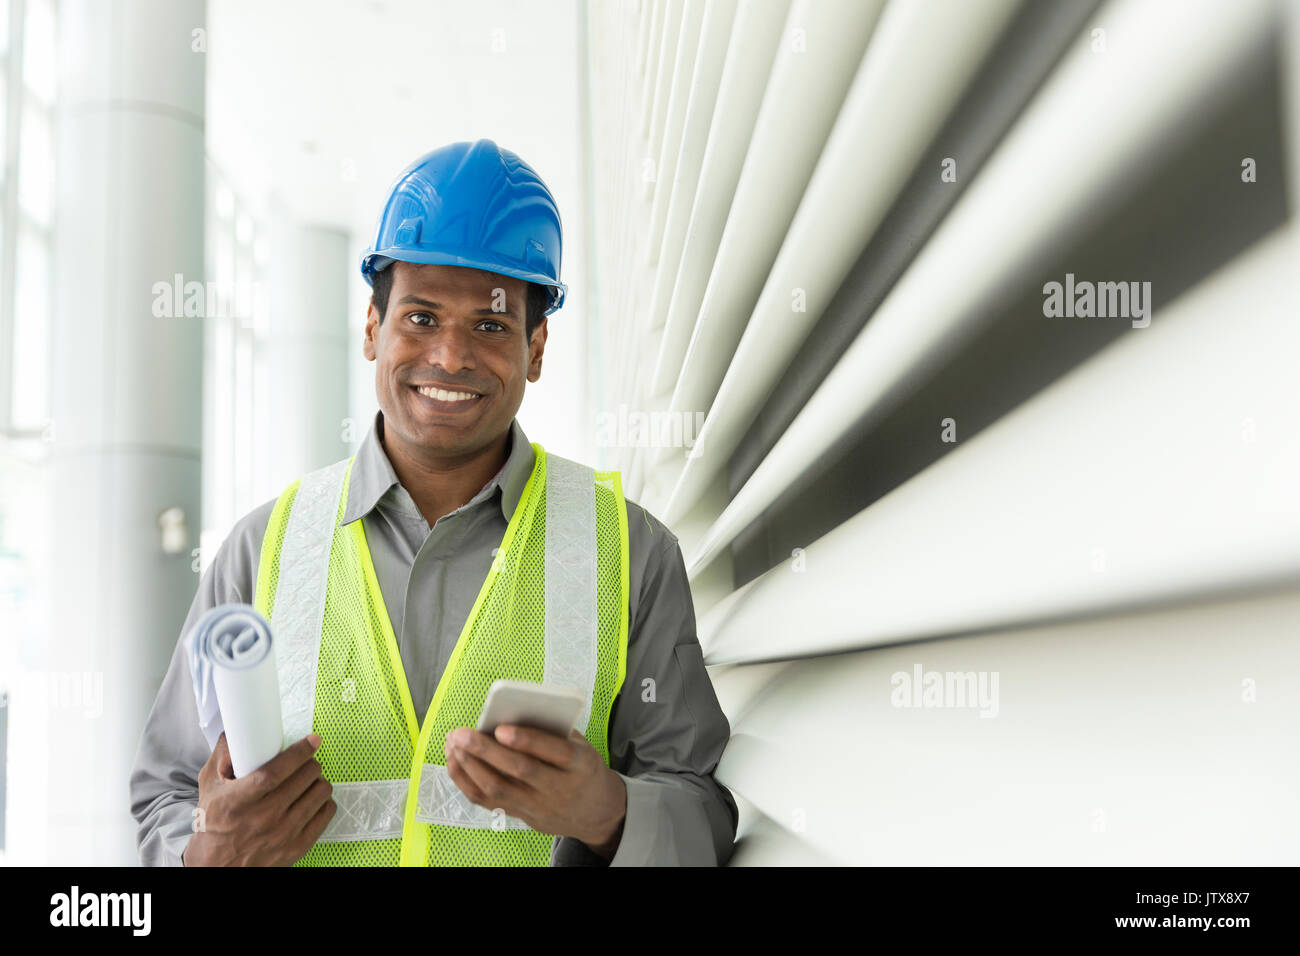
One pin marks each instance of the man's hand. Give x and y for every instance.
(554, 785)
(270, 817)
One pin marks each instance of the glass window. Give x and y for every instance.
(221, 443)
(225, 202)
(4, 113)
(35, 164)
(243, 419)
(39, 61)
(31, 333)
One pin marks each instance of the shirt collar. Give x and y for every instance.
(373, 477)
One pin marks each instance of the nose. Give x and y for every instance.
(451, 348)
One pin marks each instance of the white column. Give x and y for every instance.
(307, 349)
(127, 397)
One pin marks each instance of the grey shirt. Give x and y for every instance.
(666, 728)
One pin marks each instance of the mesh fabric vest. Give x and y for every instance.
(553, 609)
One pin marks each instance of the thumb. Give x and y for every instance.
(221, 754)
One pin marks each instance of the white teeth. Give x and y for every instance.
(443, 395)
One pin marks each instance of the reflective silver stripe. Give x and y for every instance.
(299, 604)
(571, 618)
(370, 810)
(440, 801)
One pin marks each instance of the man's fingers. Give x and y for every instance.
(292, 827)
(283, 765)
(494, 788)
(299, 846)
(303, 810)
(496, 791)
(456, 770)
(545, 746)
(289, 791)
(507, 761)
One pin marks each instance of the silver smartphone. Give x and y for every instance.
(544, 706)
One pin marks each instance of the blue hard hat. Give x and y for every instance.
(475, 205)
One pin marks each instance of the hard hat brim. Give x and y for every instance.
(556, 291)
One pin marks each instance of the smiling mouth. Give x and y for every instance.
(448, 398)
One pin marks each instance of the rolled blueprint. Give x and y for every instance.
(232, 662)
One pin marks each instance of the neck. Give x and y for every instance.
(440, 485)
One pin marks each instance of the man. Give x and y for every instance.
(450, 552)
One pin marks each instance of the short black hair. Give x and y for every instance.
(534, 308)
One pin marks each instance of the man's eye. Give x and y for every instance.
(497, 324)
(421, 318)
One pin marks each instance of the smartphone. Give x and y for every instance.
(544, 706)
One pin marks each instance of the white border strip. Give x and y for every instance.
(300, 594)
(571, 617)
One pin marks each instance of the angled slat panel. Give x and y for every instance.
(812, 73)
(1059, 189)
(1162, 738)
(753, 43)
(654, 50)
(689, 40)
(1147, 474)
(668, 55)
(1121, 548)
(897, 97)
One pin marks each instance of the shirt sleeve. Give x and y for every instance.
(667, 732)
(164, 784)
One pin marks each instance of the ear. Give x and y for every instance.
(535, 348)
(370, 345)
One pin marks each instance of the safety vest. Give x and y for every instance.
(553, 610)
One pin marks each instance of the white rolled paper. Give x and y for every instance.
(232, 662)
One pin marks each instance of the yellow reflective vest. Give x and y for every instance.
(553, 609)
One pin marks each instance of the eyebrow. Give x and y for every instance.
(430, 304)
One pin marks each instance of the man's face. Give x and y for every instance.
(461, 330)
